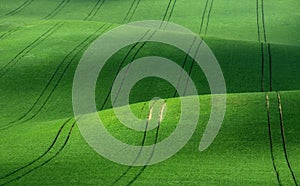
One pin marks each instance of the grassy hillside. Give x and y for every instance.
(256, 43)
(239, 155)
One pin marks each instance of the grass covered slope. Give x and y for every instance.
(239, 155)
(256, 43)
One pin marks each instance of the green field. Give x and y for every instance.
(256, 43)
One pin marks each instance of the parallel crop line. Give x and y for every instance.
(28, 48)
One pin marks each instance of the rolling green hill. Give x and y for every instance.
(256, 43)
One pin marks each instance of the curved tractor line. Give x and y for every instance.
(283, 138)
(263, 41)
(271, 140)
(41, 156)
(155, 142)
(20, 8)
(198, 46)
(94, 10)
(8, 33)
(149, 117)
(46, 161)
(128, 12)
(77, 50)
(120, 66)
(138, 50)
(61, 5)
(28, 48)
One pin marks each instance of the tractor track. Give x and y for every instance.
(28, 48)
(127, 69)
(41, 156)
(183, 65)
(139, 49)
(283, 139)
(120, 66)
(166, 12)
(20, 8)
(128, 17)
(145, 133)
(271, 140)
(208, 17)
(198, 46)
(8, 33)
(263, 42)
(134, 10)
(61, 5)
(94, 10)
(262, 53)
(171, 11)
(154, 144)
(142, 144)
(46, 161)
(263, 45)
(203, 16)
(270, 66)
(166, 17)
(75, 50)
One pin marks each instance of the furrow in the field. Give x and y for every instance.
(42, 160)
(28, 48)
